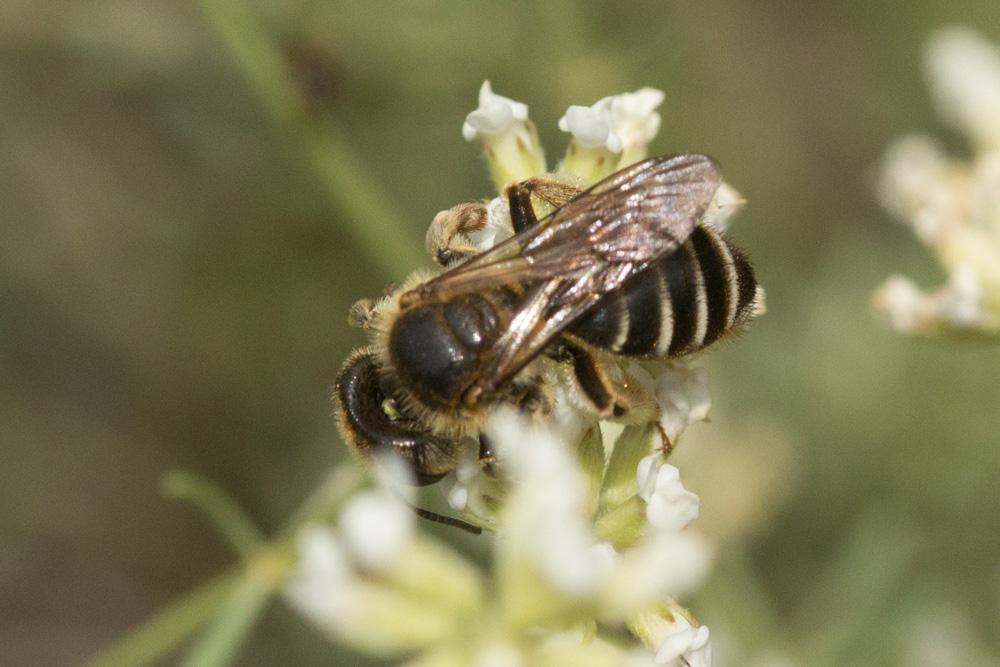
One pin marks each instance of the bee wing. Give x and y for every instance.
(585, 249)
(608, 232)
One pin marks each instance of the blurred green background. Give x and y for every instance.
(178, 255)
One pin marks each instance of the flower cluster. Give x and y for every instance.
(952, 205)
(592, 547)
(574, 565)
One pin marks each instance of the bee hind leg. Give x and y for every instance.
(612, 392)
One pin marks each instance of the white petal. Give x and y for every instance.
(499, 655)
(686, 645)
(671, 506)
(726, 203)
(664, 563)
(634, 115)
(546, 514)
(588, 126)
(494, 115)
(376, 524)
(964, 71)
(618, 123)
(683, 396)
(646, 473)
(498, 226)
(321, 574)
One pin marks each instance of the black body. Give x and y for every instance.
(436, 349)
(680, 304)
(623, 267)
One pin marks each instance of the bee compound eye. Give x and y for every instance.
(368, 427)
(444, 256)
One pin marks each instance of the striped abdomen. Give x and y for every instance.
(681, 303)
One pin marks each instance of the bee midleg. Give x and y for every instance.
(522, 213)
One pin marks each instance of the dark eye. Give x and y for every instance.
(444, 256)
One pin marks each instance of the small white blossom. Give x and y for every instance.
(375, 525)
(669, 506)
(591, 126)
(321, 575)
(915, 186)
(548, 507)
(664, 563)
(952, 206)
(498, 226)
(495, 114)
(499, 655)
(681, 392)
(959, 305)
(509, 139)
(964, 72)
(685, 646)
(472, 492)
(612, 133)
(619, 122)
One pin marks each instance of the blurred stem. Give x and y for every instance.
(228, 517)
(375, 226)
(236, 616)
(846, 606)
(323, 503)
(156, 637)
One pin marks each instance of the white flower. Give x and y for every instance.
(964, 72)
(620, 122)
(685, 646)
(548, 508)
(681, 392)
(915, 186)
(498, 226)
(509, 139)
(612, 133)
(664, 563)
(498, 655)
(375, 525)
(321, 575)
(958, 305)
(591, 126)
(953, 206)
(495, 114)
(669, 506)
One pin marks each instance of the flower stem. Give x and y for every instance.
(227, 516)
(373, 223)
(159, 635)
(236, 617)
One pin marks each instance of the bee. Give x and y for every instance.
(622, 269)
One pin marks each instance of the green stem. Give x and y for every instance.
(375, 226)
(222, 640)
(228, 517)
(159, 635)
(322, 505)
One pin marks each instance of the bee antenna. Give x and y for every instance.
(446, 520)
